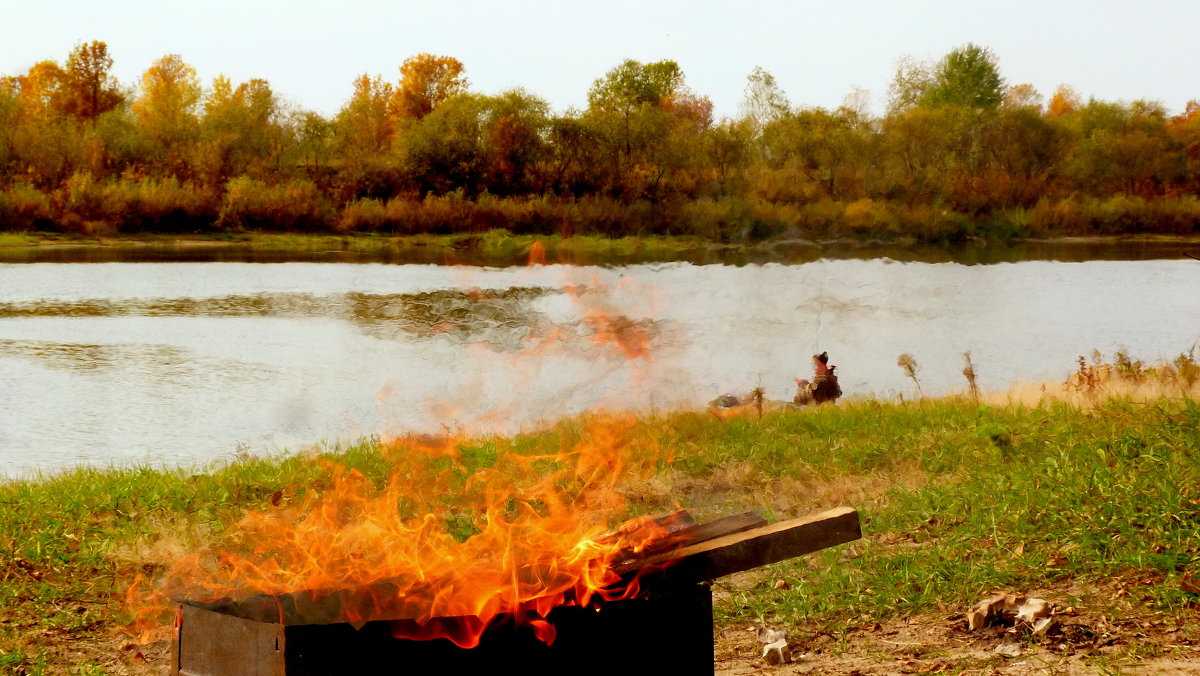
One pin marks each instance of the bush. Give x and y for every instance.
(296, 204)
(23, 207)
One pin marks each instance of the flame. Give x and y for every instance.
(447, 544)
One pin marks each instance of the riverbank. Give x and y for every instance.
(1092, 504)
(503, 248)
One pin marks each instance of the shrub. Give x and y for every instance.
(296, 204)
(24, 207)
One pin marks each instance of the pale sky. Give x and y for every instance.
(818, 51)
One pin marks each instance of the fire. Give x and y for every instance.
(452, 539)
(460, 532)
(452, 534)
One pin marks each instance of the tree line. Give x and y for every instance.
(959, 153)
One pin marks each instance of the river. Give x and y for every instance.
(189, 363)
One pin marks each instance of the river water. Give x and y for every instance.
(190, 363)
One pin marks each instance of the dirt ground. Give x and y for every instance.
(1080, 642)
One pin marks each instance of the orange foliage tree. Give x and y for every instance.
(425, 82)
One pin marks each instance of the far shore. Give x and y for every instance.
(503, 248)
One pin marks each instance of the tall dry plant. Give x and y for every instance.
(969, 373)
(910, 366)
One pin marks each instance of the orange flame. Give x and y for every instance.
(459, 533)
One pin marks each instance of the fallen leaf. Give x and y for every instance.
(1033, 610)
(1043, 626)
(982, 613)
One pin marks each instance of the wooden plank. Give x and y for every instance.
(690, 536)
(753, 548)
(211, 644)
(671, 522)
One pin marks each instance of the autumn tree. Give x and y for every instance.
(90, 88)
(727, 147)
(45, 141)
(425, 82)
(239, 131)
(632, 85)
(363, 125)
(763, 101)
(911, 82)
(515, 127)
(1023, 96)
(1185, 129)
(1063, 102)
(364, 135)
(577, 159)
(166, 109)
(1121, 148)
(818, 143)
(40, 91)
(9, 118)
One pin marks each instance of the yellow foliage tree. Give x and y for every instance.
(425, 82)
(1064, 101)
(166, 109)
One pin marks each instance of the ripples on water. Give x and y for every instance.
(184, 363)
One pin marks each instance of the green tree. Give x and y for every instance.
(314, 141)
(632, 85)
(629, 111)
(479, 143)
(968, 76)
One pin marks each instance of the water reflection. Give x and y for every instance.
(501, 317)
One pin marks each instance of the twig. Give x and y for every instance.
(1195, 258)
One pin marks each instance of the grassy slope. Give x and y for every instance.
(957, 499)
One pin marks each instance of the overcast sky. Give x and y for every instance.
(818, 51)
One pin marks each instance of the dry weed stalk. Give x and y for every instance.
(1090, 379)
(909, 364)
(969, 373)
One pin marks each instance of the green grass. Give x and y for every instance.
(956, 500)
(493, 247)
(17, 239)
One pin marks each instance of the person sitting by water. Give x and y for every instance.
(824, 385)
